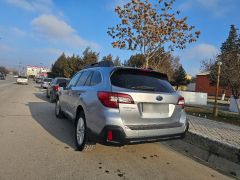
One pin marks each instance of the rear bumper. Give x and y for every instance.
(22, 82)
(119, 137)
(44, 86)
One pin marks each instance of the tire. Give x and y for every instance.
(51, 98)
(47, 94)
(183, 135)
(81, 135)
(58, 111)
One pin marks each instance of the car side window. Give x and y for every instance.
(83, 78)
(74, 80)
(96, 78)
(88, 81)
(54, 81)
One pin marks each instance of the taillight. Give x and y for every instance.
(112, 100)
(181, 101)
(57, 88)
(109, 136)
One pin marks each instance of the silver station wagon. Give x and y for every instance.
(121, 105)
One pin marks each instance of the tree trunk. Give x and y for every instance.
(223, 95)
(147, 59)
(236, 96)
(237, 105)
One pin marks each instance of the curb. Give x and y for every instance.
(217, 155)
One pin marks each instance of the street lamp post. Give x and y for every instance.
(215, 109)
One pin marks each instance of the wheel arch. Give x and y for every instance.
(79, 110)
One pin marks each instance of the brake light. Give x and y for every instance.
(57, 88)
(109, 136)
(181, 101)
(112, 100)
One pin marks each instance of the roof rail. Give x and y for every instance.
(100, 64)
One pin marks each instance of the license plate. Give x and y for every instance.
(155, 108)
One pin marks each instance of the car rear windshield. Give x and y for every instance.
(24, 77)
(141, 80)
(47, 80)
(61, 81)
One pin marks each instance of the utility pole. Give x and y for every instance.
(19, 68)
(215, 108)
(41, 66)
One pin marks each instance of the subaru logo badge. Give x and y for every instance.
(159, 98)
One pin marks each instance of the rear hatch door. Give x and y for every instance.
(154, 98)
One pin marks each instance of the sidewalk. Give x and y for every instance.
(214, 143)
(217, 131)
(218, 138)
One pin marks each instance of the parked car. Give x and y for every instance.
(54, 87)
(46, 82)
(2, 76)
(120, 105)
(22, 80)
(39, 80)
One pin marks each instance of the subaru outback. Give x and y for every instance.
(121, 105)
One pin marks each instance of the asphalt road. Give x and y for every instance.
(36, 145)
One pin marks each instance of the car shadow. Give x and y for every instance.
(42, 96)
(43, 114)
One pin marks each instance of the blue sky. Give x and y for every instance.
(36, 32)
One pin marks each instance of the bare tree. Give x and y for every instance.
(147, 28)
(165, 63)
(207, 64)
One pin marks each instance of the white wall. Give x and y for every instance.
(233, 105)
(194, 98)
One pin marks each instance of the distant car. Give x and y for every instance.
(2, 76)
(55, 86)
(45, 82)
(39, 80)
(22, 80)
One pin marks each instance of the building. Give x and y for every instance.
(36, 71)
(203, 85)
(188, 77)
